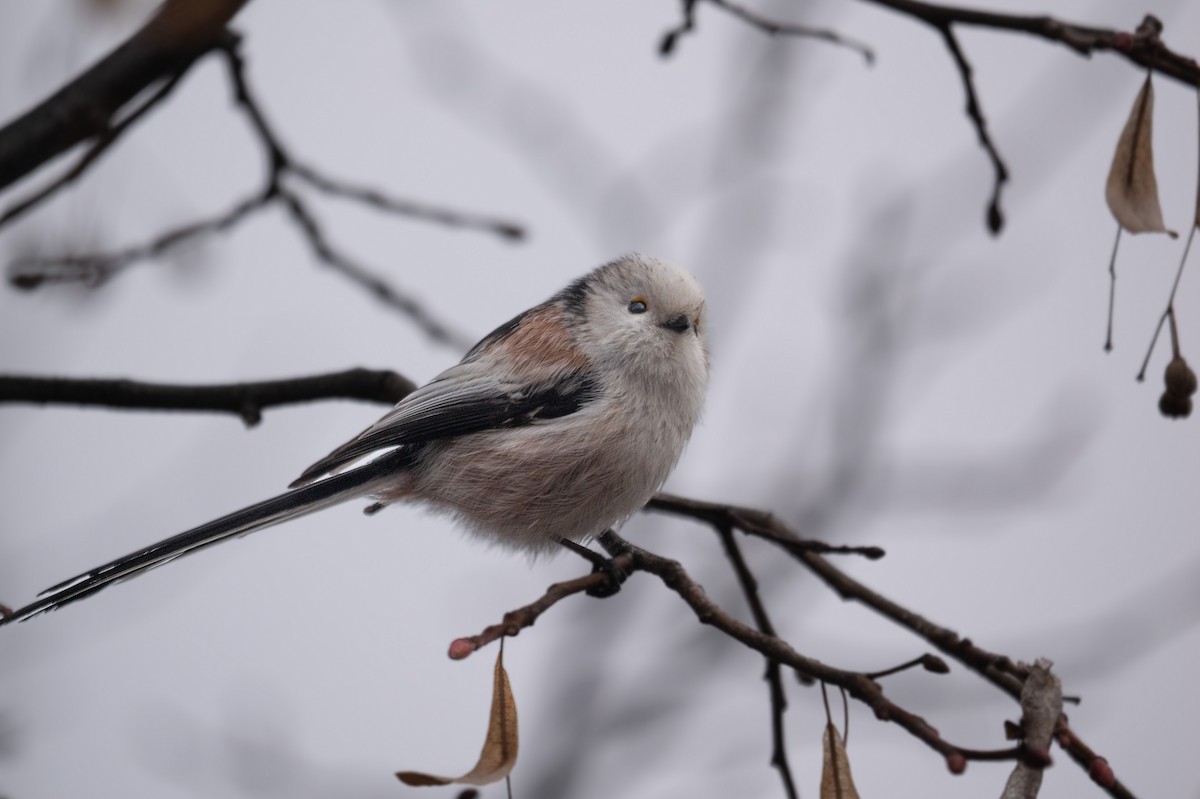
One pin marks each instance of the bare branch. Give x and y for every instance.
(997, 669)
(768, 26)
(375, 285)
(1145, 51)
(857, 685)
(420, 211)
(32, 272)
(995, 217)
(98, 148)
(516, 620)
(246, 400)
(164, 48)
(773, 674)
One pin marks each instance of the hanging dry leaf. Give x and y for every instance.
(499, 753)
(836, 782)
(1132, 189)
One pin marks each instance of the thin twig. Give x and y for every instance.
(98, 148)
(420, 211)
(94, 268)
(931, 663)
(516, 620)
(995, 217)
(246, 400)
(1112, 290)
(1187, 247)
(29, 273)
(998, 669)
(375, 285)
(754, 522)
(775, 28)
(771, 27)
(773, 675)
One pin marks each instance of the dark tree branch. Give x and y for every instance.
(364, 277)
(246, 400)
(401, 207)
(997, 669)
(768, 26)
(95, 268)
(672, 574)
(773, 674)
(1143, 47)
(163, 49)
(1144, 50)
(98, 148)
(995, 217)
(32, 272)
(516, 620)
(856, 684)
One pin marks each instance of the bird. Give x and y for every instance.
(558, 425)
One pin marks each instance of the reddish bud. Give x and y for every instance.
(956, 763)
(461, 647)
(1037, 757)
(1102, 773)
(1122, 41)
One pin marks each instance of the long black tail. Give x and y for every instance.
(294, 503)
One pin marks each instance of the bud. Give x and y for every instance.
(1176, 401)
(1179, 377)
(461, 647)
(1101, 773)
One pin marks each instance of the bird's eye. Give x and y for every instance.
(637, 305)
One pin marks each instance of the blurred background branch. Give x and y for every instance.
(837, 467)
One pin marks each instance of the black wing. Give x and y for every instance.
(449, 408)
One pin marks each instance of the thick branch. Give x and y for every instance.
(247, 400)
(164, 48)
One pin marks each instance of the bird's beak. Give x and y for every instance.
(679, 323)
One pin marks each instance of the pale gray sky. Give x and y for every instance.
(884, 372)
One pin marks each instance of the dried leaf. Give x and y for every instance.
(1132, 189)
(499, 753)
(836, 782)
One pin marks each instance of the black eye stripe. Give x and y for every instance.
(637, 306)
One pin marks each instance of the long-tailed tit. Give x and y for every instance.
(559, 424)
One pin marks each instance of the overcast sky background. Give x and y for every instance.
(884, 372)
